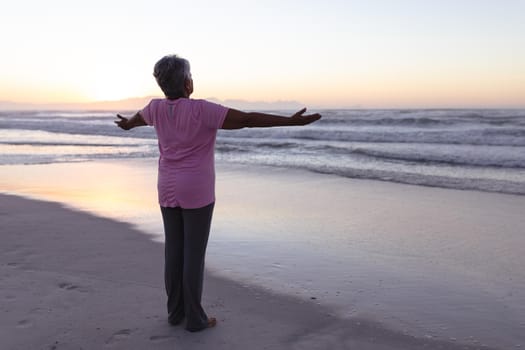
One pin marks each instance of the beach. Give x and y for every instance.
(364, 162)
(295, 260)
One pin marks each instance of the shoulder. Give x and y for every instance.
(155, 103)
(205, 106)
(209, 113)
(152, 109)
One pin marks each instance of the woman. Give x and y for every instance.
(186, 131)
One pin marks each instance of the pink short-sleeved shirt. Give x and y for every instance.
(186, 131)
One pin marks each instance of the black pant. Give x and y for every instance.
(186, 232)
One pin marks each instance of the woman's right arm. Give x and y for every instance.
(133, 122)
(237, 119)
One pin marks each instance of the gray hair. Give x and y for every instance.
(171, 72)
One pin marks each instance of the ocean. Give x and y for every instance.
(452, 148)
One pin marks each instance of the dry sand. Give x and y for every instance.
(72, 280)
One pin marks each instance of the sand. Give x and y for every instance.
(295, 260)
(72, 280)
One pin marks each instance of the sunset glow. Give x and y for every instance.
(333, 54)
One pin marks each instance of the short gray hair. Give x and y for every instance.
(171, 72)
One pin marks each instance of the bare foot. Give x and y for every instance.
(212, 322)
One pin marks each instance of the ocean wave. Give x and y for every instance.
(426, 118)
(406, 177)
(50, 158)
(471, 158)
(74, 144)
(481, 136)
(460, 155)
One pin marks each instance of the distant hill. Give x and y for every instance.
(125, 104)
(252, 105)
(136, 103)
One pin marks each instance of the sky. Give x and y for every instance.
(330, 53)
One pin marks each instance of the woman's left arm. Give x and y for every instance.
(127, 124)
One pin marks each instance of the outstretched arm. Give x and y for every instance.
(237, 120)
(126, 124)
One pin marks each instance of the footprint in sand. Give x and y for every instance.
(24, 324)
(118, 336)
(71, 286)
(10, 297)
(160, 338)
(67, 286)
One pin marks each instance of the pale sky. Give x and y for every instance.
(330, 53)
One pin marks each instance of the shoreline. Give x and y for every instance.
(431, 263)
(236, 164)
(71, 279)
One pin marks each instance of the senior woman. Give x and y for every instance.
(186, 131)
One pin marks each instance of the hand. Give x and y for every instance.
(300, 119)
(123, 123)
